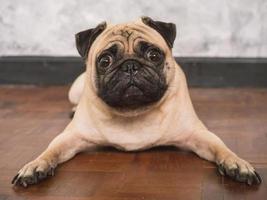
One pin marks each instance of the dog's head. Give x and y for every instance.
(129, 65)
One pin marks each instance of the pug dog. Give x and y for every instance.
(133, 96)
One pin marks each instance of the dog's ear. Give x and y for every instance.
(85, 39)
(167, 30)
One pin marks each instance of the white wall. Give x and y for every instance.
(232, 28)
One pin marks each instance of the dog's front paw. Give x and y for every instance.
(33, 172)
(239, 170)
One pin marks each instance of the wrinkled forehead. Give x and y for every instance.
(127, 36)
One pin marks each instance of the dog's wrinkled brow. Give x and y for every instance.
(113, 49)
(142, 47)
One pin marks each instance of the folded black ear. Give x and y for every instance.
(85, 39)
(167, 30)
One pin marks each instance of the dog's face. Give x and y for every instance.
(130, 79)
(129, 62)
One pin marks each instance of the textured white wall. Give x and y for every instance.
(232, 28)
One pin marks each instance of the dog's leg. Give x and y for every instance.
(75, 92)
(61, 149)
(210, 147)
(76, 89)
(72, 113)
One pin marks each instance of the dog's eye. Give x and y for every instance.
(105, 60)
(154, 55)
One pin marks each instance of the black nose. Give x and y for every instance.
(131, 66)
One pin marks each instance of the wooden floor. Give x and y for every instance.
(30, 117)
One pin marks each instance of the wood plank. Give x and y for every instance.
(31, 116)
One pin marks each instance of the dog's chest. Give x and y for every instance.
(131, 137)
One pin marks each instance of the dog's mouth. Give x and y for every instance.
(132, 92)
(132, 97)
